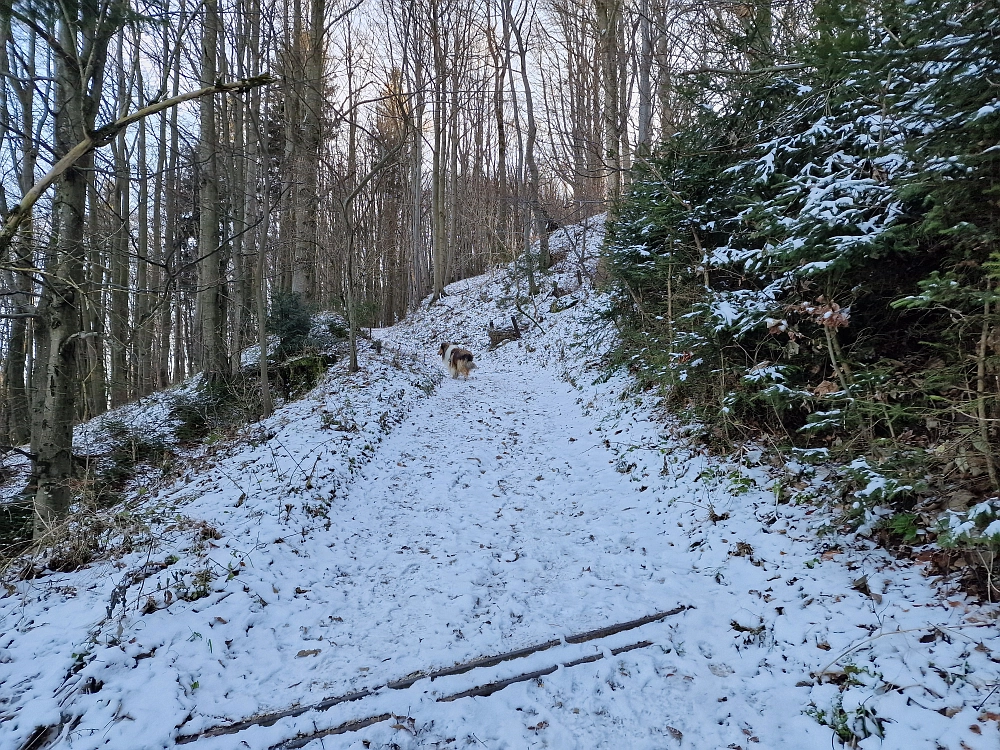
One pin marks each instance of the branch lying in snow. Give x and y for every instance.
(489, 689)
(105, 135)
(481, 691)
(864, 642)
(269, 719)
(521, 310)
(5, 449)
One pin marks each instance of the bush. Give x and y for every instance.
(811, 258)
(130, 447)
(976, 533)
(211, 406)
(290, 320)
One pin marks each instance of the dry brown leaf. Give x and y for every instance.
(960, 500)
(825, 388)
(307, 652)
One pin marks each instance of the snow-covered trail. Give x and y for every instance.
(490, 521)
(502, 508)
(382, 529)
(497, 517)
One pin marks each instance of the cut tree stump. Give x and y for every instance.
(499, 335)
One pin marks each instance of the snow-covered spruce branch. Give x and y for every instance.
(737, 72)
(105, 135)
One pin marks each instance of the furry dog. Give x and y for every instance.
(457, 360)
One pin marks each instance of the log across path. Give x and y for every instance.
(272, 717)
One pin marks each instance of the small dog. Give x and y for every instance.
(457, 360)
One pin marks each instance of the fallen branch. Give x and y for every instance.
(468, 666)
(266, 720)
(623, 626)
(347, 726)
(521, 310)
(480, 691)
(5, 449)
(492, 687)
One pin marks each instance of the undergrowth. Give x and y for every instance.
(813, 263)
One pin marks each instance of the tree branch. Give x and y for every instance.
(5, 449)
(102, 137)
(735, 72)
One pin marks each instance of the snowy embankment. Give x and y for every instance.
(317, 583)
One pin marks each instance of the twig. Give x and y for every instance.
(521, 310)
(752, 72)
(4, 449)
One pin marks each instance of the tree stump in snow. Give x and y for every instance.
(499, 335)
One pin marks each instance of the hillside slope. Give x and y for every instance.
(308, 585)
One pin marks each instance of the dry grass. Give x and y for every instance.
(90, 533)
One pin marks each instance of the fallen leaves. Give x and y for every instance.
(825, 388)
(861, 584)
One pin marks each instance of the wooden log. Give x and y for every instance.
(492, 687)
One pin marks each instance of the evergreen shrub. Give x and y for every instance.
(814, 259)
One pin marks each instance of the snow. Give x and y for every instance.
(395, 522)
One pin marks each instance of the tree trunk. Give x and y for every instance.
(609, 23)
(417, 188)
(438, 175)
(170, 312)
(212, 360)
(56, 379)
(534, 181)
(644, 137)
(142, 337)
(20, 343)
(119, 258)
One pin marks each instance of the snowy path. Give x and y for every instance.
(467, 538)
(380, 530)
(501, 515)
(496, 505)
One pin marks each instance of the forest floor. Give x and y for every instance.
(315, 581)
